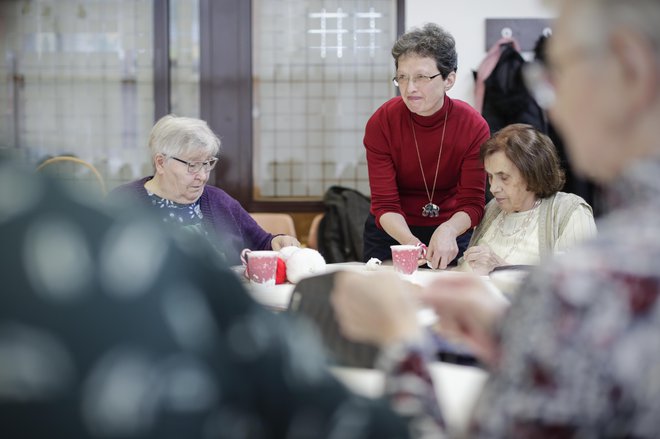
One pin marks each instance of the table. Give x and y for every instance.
(457, 388)
(277, 296)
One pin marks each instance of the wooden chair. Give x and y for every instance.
(75, 170)
(313, 237)
(276, 223)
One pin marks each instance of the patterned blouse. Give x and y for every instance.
(184, 215)
(580, 349)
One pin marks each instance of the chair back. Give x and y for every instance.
(311, 298)
(313, 236)
(74, 170)
(276, 223)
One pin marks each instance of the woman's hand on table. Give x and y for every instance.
(281, 241)
(442, 247)
(376, 309)
(467, 311)
(482, 259)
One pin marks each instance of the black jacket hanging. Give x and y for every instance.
(506, 99)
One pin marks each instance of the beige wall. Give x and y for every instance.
(465, 19)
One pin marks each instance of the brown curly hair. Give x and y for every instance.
(533, 153)
(430, 41)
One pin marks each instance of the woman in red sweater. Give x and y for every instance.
(427, 182)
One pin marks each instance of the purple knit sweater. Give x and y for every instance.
(223, 216)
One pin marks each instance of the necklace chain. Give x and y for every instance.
(524, 226)
(431, 208)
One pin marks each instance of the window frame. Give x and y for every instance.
(226, 98)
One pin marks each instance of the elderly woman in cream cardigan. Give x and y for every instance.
(528, 216)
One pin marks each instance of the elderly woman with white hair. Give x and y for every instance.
(183, 152)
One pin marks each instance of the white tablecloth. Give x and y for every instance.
(457, 388)
(278, 296)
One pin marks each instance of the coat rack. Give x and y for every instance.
(525, 30)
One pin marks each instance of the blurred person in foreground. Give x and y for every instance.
(183, 151)
(99, 341)
(528, 217)
(576, 354)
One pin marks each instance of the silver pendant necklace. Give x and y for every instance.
(430, 209)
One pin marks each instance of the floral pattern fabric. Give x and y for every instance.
(176, 213)
(580, 352)
(580, 346)
(187, 216)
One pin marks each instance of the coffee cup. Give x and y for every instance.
(405, 257)
(260, 265)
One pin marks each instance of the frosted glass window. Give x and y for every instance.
(320, 69)
(184, 57)
(77, 78)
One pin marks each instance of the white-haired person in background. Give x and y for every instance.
(183, 152)
(576, 354)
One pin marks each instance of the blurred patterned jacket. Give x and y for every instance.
(580, 349)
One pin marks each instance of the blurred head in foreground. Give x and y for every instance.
(604, 65)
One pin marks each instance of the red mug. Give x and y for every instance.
(260, 265)
(405, 257)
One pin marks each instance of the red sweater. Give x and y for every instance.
(394, 173)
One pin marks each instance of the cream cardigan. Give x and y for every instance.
(555, 213)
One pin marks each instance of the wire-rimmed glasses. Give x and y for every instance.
(538, 81)
(195, 167)
(403, 80)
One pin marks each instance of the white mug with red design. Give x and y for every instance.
(260, 265)
(406, 256)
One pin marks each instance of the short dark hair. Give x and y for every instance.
(533, 153)
(430, 41)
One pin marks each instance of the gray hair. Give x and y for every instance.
(173, 135)
(430, 41)
(594, 20)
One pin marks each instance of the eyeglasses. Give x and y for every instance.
(403, 80)
(195, 167)
(538, 79)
